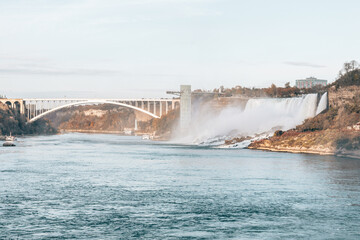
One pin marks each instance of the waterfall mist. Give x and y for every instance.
(259, 116)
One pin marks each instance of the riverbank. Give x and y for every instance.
(324, 152)
(93, 131)
(152, 137)
(325, 142)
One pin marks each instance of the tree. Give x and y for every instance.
(348, 67)
(287, 85)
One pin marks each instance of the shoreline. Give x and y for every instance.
(339, 153)
(273, 149)
(91, 131)
(155, 138)
(61, 131)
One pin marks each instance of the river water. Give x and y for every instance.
(83, 186)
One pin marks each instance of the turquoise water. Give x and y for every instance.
(82, 186)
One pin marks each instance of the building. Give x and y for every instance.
(310, 82)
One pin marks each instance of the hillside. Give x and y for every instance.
(97, 118)
(336, 131)
(104, 118)
(15, 123)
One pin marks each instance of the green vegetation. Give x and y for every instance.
(15, 123)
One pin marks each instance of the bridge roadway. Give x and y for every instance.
(35, 108)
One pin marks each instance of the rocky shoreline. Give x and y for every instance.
(299, 150)
(324, 142)
(295, 150)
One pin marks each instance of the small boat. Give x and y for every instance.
(10, 138)
(9, 144)
(145, 137)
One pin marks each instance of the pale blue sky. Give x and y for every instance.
(141, 48)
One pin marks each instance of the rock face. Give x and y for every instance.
(319, 142)
(97, 118)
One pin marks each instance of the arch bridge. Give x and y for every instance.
(35, 109)
(17, 104)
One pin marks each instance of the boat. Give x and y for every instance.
(145, 137)
(9, 144)
(10, 138)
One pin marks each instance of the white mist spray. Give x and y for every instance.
(258, 116)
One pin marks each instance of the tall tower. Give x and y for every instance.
(185, 107)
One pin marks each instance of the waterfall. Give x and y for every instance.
(322, 104)
(259, 116)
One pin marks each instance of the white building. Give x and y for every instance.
(310, 82)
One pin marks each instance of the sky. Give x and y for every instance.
(142, 48)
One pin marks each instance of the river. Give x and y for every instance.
(93, 186)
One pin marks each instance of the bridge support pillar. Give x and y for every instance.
(185, 107)
(160, 108)
(22, 108)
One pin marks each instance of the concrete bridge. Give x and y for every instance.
(15, 103)
(36, 108)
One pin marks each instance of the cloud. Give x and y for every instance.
(304, 64)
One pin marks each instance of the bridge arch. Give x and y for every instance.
(9, 104)
(16, 106)
(91, 102)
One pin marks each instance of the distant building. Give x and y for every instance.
(310, 82)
